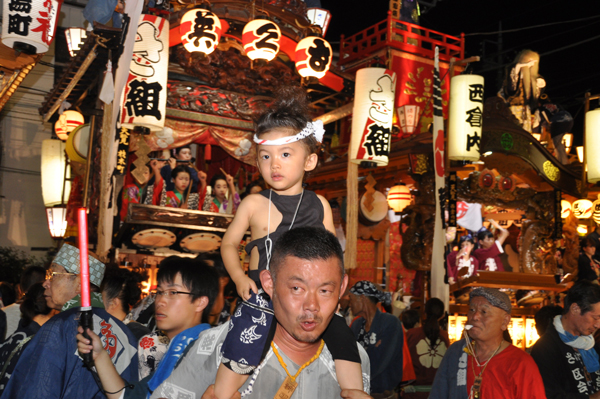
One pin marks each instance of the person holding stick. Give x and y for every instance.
(49, 366)
(179, 195)
(223, 195)
(183, 158)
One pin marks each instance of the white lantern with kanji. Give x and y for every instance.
(582, 209)
(200, 31)
(408, 116)
(53, 173)
(320, 17)
(592, 144)
(565, 209)
(399, 197)
(260, 38)
(68, 121)
(144, 99)
(29, 25)
(313, 57)
(372, 116)
(596, 210)
(466, 112)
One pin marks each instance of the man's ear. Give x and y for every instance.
(344, 285)
(266, 279)
(506, 321)
(311, 162)
(201, 304)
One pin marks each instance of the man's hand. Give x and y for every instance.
(210, 394)
(352, 394)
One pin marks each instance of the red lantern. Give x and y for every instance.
(399, 197)
(261, 39)
(67, 122)
(200, 31)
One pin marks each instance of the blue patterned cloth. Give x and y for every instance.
(248, 334)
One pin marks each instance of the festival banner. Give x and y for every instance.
(439, 289)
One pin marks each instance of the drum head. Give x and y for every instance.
(77, 143)
(201, 242)
(379, 211)
(154, 238)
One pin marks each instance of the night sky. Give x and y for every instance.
(569, 72)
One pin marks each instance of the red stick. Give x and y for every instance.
(83, 256)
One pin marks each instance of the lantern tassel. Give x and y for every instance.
(107, 93)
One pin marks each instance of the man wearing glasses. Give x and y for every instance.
(49, 366)
(186, 287)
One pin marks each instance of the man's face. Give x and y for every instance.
(488, 321)
(587, 323)
(176, 313)
(305, 295)
(60, 288)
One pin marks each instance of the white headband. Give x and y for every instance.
(315, 128)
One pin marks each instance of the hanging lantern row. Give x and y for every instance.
(29, 26)
(201, 30)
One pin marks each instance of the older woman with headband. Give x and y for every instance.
(380, 334)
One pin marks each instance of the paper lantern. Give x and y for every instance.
(57, 221)
(565, 209)
(596, 210)
(582, 230)
(580, 154)
(75, 39)
(320, 17)
(466, 111)
(592, 144)
(313, 57)
(567, 142)
(531, 335)
(399, 197)
(68, 121)
(53, 173)
(144, 98)
(582, 209)
(261, 39)
(372, 115)
(29, 25)
(408, 116)
(200, 30)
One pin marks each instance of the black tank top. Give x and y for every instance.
(310, 213)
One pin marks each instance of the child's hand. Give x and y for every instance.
(84, 346)
(229, 179)
(245, 286)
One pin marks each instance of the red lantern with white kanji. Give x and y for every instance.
(67, 122)
(313, 57)
(29, 25)
(261, 39)
(200, 31)
(144, 100)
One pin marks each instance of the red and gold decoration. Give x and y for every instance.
(145, 96)
(506, 183)
(68, 121)
(487, 179)
(200, 31)
(373, 113)
(29, 26)
(466, 117)
(313, 57)
(260, 39)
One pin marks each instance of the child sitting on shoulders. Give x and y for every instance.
(287, 142)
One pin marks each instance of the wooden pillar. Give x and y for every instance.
(105, 214)
(351, 216)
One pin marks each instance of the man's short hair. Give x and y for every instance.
(308, 243)
(410, 318)
(545, 316)
(197, 277)
(30, 276)
(585, 294)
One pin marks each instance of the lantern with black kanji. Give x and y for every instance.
(200, 31)
(591, 145)
(261, 39)
(313, 57)
(68, 121)
(145, 95)
(582, 208)
(466, 111)
(372, 116)
(29, 25)
(596, 210)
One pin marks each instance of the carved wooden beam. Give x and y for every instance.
(337, 114)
